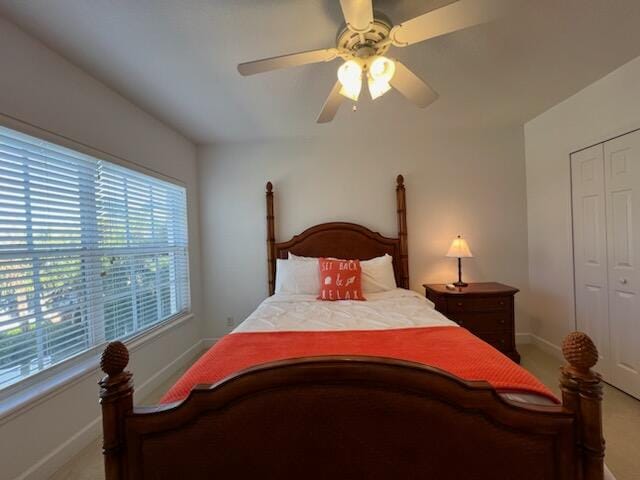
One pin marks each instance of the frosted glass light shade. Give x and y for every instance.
(459, 248)
(377, 88)
(381, 71)
(350, 77)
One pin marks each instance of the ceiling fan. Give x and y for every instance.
(366, 37)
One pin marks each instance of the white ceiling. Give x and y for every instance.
(177, 60)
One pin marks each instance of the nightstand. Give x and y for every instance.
(485, 309)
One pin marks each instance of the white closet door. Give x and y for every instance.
(590, 249)
(622, 180)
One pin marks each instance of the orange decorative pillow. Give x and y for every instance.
(340, 279)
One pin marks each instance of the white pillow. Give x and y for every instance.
(297, 277)
(377, 273)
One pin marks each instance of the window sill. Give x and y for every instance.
(76, 370)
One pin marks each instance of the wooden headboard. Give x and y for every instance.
(342, 240)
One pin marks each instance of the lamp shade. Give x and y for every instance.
(459, 248)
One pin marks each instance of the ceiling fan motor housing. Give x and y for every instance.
(368, 43)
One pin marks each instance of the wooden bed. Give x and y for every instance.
(353, 417)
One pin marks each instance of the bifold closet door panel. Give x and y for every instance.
(622, 183)
(590, 248)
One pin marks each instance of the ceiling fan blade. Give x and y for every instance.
(412, 87)
(358, 14)
(286, 61)
(331, 104)
(456, 16)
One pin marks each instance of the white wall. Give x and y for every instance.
(39, 87)
(457, 182)
(607, 108)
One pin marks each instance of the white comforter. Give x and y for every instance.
(397, 308)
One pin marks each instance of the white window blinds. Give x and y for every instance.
(89, 252)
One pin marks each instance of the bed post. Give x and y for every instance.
(271, 240)
(116, 398)
(582, 394)
(402, 231)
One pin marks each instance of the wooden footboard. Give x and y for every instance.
(354, 417)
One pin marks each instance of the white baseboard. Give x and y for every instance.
(547, 346)
(208, 342)
(539, 342)
(58, 457)
(161, 375)
(55, 459)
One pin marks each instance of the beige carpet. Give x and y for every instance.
(621, 415)
(621, 424)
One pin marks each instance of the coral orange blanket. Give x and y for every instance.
(451, 349)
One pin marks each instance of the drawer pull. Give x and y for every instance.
(459, 304)
(502, 302)
(502, 321)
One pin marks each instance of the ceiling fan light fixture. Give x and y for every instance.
(379, 74)
(350, 77)
(382, 68)
(366, 36)
(377, 88)
(352, 92)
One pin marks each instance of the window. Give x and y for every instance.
(89, 252)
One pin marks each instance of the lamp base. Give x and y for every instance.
(460, 283)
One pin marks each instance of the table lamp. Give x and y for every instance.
(459, 249)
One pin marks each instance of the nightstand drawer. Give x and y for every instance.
(485, 309)
(483, 321)
(479, 304)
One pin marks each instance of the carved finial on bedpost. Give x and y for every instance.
(116, 399)
(582, 394)
(580, 351)
(402, 232)
(114, 359)
(271, 240)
